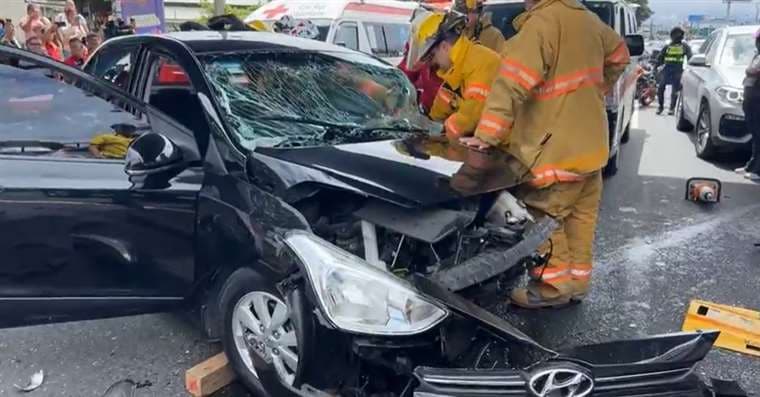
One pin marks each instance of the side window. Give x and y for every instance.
(710, 47)
(622, 29)
(347, 36)
(171, 91)
(387, 39)
(708, 43)
(46, 113)
(114, 65)
(632, 25)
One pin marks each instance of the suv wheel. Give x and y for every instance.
(626, 134)
(261, 338)
(613, 164)
(703, 142)
(682, 124)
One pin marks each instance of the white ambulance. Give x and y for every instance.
(378, 27)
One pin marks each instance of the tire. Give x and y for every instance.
(613, 165)
(703, 142)
(682, 124)
(244, 299)
(626, 134)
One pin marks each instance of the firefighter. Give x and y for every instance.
(480, 27)
(546, 108)
(466, 68)
(672, 57)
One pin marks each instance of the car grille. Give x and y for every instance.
(472, 383)
(733, 127)
(436, 382)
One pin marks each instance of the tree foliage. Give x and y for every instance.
(643, 12)
(207, 7)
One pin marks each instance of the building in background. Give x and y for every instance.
(178, 11)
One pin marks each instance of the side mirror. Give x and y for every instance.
(698, 60)
(635, 43)
(152, 154)
(340, 43)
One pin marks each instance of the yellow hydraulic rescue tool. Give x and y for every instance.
(739, 328)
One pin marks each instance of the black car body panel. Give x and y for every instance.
(120, 240)
(379, 170)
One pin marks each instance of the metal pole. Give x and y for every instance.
(728, 10)
(219, 7)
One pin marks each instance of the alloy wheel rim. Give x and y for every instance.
(704, 130)
(261, 325)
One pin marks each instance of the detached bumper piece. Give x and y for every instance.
(659, 366)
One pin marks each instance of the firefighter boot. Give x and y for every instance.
(581, 281)
(539, 295)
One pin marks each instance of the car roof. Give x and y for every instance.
(742, 29)
(208, 41)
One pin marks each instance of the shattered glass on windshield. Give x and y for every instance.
(312, 99)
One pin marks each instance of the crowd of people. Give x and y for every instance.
(67, 38)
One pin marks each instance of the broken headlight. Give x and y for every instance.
(357, 297)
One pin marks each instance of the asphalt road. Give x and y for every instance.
(654, 252)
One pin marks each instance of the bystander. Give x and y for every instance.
(752, 112)
(9, 35)
(51, 41)
(34, 44)
(73, 25)
(92, 41)
(33, 22)
(78, 54)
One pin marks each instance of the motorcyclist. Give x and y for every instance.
(672, 57)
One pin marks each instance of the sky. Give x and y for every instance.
(674, 11)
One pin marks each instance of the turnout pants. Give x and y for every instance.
(575, 206)
(670, 76)
(752, 119)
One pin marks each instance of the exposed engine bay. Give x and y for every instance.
(426, 241)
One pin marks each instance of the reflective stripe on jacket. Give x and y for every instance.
(547, 104)
(459, 103)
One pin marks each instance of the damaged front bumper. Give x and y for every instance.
(660, 365)
(655, 366)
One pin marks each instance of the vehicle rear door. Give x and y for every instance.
(78, 237)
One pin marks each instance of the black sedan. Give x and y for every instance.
(287, 191)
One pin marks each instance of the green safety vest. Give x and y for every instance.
(674, 54)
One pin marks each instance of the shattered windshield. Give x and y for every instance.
(311, 99)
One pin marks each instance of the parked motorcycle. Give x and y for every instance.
(646, 86)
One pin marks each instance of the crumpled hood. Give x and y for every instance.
(416, 173)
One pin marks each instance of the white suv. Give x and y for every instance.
(622, 17)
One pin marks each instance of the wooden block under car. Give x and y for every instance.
(209, 376)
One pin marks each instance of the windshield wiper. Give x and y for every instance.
(306, 120)
(396, 126)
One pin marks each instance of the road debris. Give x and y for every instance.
(703, 190)
(739, 328)
(35, 381)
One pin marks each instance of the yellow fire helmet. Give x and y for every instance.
(429, 29)
(473, 5)
(259, 26)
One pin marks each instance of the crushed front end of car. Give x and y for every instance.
(374, 334)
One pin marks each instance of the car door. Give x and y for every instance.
(694, 77)
(79, 237)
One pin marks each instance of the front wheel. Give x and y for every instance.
(682, 124)
(703, 143)
(261, 337)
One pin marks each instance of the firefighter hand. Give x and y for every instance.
(474, 143)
